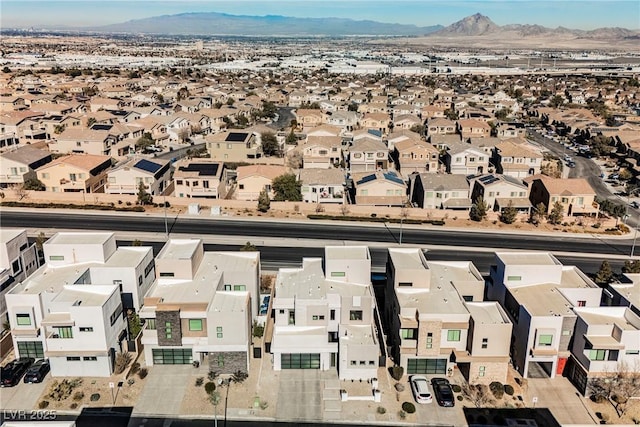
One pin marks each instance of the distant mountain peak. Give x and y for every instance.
(474, 25)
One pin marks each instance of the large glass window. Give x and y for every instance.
(597, 354)
(355, 315)
(23, 319)
(300, 361)
(545, 340)
(64, 331)
(172, 356)
(453, 335)
(31, 349)
(409, 334)
(195, 324)
(427, 366)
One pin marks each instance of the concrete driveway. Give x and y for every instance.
(562, 399)
(23, 396)
(299, 395)
(164, 390)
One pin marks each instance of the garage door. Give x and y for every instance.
(31, 349)
(426, 366)
(300, 361)
(172, 356)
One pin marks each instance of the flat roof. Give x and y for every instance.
(230, 302)
(346, 252)
(79, 238)
(358, 334)
(52, 279)
(620, 316)
(8, 234)
(179, 249)
(85, 295)
(407, 258)
(527, 258)
(128, 256)
(487, 312)
(543, 300)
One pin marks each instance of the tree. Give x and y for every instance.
(133, 321)
(270, 144)
(238, 377)
(287, 188)
(6, 69)
(34, 184)
(619, 387)
(291, 138)
(478, 210)
(418, 129)
(145, 141)
(40, 239)
(248, 247)
(509, 214)
(58, 129)
(503, 113)
(556, 101)
(91, 121)
(144, 198)
(294, 159)
(556, 215)
(269, 109)
(538, 213)
(183, 93)
(477, 394)
(604, 274)
(263, 201)
(183, 135)
(136, 242)
(451, 114)
(230, 101)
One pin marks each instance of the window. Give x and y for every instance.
(597, 354)
(292, 317)
(195, 324)
(481, 371)
(168, 330)
(281, 311)
(317, 317)
(514, 278)
(227, 287)
(332, 315)
(408, 334)
(86, 329)
(453, 335)
(355, 315)
(239, 287)
(405, 284)
(429, 340)
(545, 340)
(220, 360)
(31, 349)
(363, 362)
(151, 324)
(23, 319)
(372, 362)
(64, 331)
(179, 182)
(167, 274)
(116, 313)
(241, 186)
(485, 342)
(338, 274)
(56, 258)
(73, 358)
(219, 332)
(16, 266)
(631, 352)
(205, 184)
(90, 358)
(582, 303)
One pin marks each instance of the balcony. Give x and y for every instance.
(408, 346)
(543, 351)
(25, 332)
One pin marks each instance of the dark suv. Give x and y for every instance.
(10, 375)
(37, 371)
(443, 392)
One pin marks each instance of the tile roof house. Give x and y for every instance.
(575, 195)
(321, 152)
(199, 178)
(19, 165)
(154, 174)
(516, 158)
(415, 155)
(438, 191)
(84, 173)
(252, 179)
(322, 185)
(378, 189)
(368, 154)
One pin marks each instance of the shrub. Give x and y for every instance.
(131, 381)
(456, 388)
(199, 381)
(210, 387)
(135, 368)
(122, 361)
(402, 415)
(78, 396)
(212, 375)
(408, 407)
(143, 373)
(508, 388)
(399, 387)
(381, 410)
(95, 397)
(497, 389)
(460, 398)
(396, 372)
(73, 406)
(43, 404)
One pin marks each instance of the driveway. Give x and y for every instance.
(299, 395)
(562, 399)
(23, 396)
(164, 390)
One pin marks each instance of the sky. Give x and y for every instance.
(567, 13)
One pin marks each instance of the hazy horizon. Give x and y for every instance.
(576, 14)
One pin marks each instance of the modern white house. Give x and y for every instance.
(202, 307)
(324, 319)
(18, 260)
(606, 340)
(539, 294)
(72, 310)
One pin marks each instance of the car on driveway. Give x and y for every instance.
(420, 389)
(443, 392)
(37, 371)
(11, 374)
(634, 205)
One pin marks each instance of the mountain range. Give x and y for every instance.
(221, 24)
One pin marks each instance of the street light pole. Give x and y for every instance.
(635, 235)
(166, 228)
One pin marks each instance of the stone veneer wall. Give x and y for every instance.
(233, 361)
(173, 317)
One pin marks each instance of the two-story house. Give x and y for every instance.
(539, 294)
(438, 191)
(324, 319)
(465, 159)
(252, 179)
(501, 191)
(19, 165)
(322, 185)
(472, 128)
(321, 152)
(575, 195)
(84, 173)
(201, 307)
(235, 146)
(18, 260)
(516, 159)
(199, 178)
(367, 154)
(415, 155)
(153, 174)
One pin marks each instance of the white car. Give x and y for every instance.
(420, 389)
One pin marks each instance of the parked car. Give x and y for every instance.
(420, 389)
(634, 205)
(13, 372)
(37, 371)
(443, 392)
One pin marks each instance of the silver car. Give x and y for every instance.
(420, 389)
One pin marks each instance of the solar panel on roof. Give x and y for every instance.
(147, 165)
(366, 179)
(206, 169)
(101, 126)
(236, 137)
(393, 177)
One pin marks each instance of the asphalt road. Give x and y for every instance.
(285, 115)
(309, 230)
